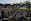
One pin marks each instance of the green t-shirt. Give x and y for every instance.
(5, 18)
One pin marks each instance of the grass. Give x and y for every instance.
(24, 8)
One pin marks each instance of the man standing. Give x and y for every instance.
(4, 15)
(0, 17)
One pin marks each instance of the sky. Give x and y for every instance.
(12, 1)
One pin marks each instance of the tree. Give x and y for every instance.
(15, 4)
(28, 4)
